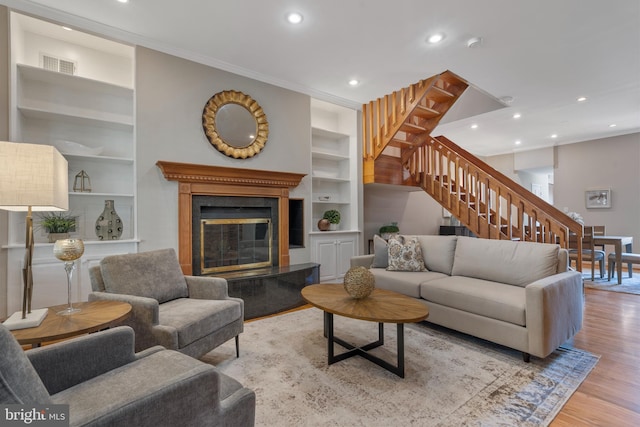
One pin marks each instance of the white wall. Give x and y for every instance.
(91, 63)
(414, 211)
(171, 93)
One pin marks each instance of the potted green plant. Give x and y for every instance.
(333, 216)
(387, 230)
(57, 224)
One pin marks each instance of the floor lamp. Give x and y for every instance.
(32, 178)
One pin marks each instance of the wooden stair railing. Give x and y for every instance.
(486, 201)
(405, 118)
(398, 149)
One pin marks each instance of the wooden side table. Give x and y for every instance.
(95, 316)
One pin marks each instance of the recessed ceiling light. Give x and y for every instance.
(582, 99)
(518, 142)
(612, 125)
(517, 115)
(66, 28)
(353, 82)
(123, 1)
(294, 18)
(474, 42)
(474, 126)
(506, 99)
(435, 38)
(554, 136)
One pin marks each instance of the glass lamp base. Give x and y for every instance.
(69, 311)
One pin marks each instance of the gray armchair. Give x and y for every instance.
(191, 314)
(106, 384)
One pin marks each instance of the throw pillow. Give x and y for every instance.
(380, 253)
(405, 255)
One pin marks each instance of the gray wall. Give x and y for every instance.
(610, 163)
(602, 163)
(171, 93)
(414, 211)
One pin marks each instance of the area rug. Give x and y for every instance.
(450, 378)
(629, 285)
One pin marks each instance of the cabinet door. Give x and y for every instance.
(345, 250)
(326, 257)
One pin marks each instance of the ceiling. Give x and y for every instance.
(543, 54)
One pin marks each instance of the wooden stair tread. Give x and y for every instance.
(411, 128)
(439, 95)
(400, 143)
(425, 112)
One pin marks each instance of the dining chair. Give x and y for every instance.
(599, 230)
(589, 253)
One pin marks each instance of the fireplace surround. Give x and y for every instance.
(204, 180)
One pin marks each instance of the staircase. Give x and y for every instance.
(398, 149)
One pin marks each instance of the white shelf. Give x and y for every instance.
(73, 82)
(108, 159)
(81, 118)
(87, 242)
(92, 194)
(330, 179)
(327, 155)
(328, 134)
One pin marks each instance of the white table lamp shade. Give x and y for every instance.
(33, 175)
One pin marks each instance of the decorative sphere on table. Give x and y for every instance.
(359, 282)
(68, 249)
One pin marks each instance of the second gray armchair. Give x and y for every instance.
(191, 314)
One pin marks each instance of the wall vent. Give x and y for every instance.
(60, 65)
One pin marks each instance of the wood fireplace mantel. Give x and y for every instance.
(204, 180)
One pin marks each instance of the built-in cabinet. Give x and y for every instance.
(85, 108)
(333, 253)
(335, 176)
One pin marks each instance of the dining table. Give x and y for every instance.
(618, 243)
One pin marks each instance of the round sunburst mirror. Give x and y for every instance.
(235, 124)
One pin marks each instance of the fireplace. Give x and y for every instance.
(232, 233)
(229, 193)
(225, 216)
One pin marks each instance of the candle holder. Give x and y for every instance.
(68, 250)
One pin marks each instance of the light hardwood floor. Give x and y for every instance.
(610, 395)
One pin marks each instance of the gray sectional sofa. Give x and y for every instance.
(519, 294)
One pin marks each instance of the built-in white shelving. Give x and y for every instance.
(335, 181)
(90, 118)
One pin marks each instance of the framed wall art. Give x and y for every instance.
(598, 198)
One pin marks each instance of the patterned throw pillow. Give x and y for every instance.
(405, 255)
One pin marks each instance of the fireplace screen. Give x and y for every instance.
(234, 244)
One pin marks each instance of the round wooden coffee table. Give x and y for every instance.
(381, 306)
(95, 315)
